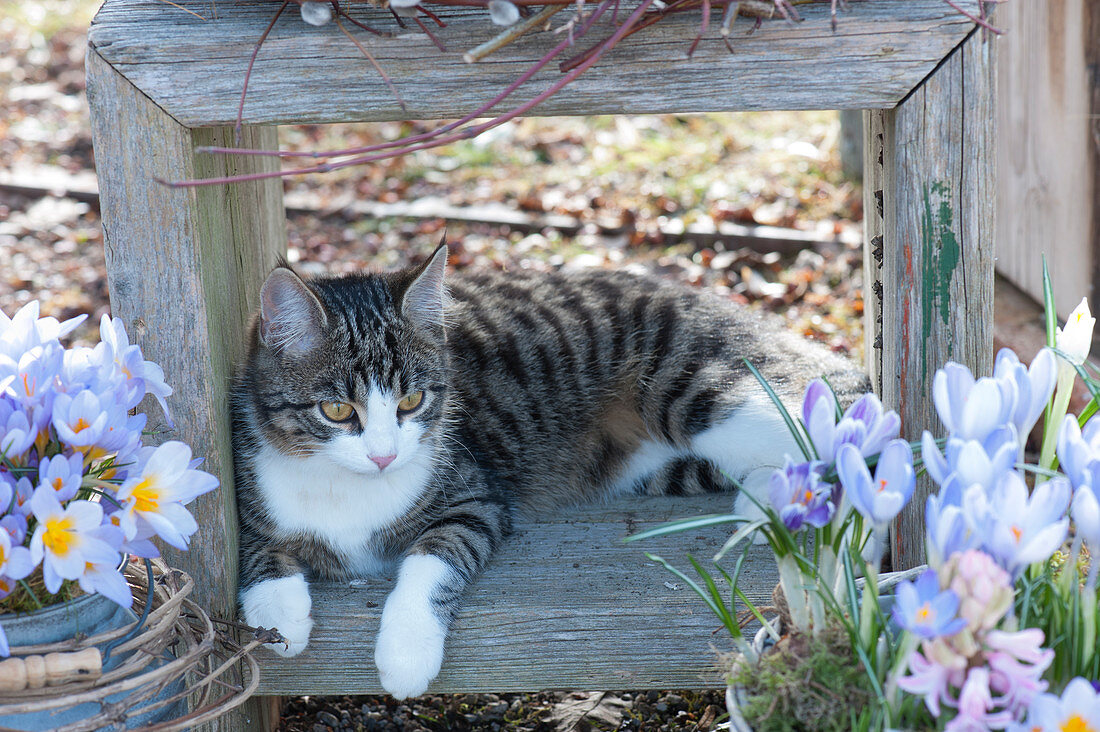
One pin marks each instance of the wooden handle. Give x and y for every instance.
(53, 669)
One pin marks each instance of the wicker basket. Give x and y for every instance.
(174, 653)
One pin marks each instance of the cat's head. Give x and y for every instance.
(352, 368)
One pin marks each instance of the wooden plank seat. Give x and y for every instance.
(185, 267)
(565, 604)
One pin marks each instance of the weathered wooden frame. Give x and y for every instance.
(185, 268)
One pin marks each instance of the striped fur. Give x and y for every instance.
(540, 391)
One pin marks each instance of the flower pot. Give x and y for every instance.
(87, 615)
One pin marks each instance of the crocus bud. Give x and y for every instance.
(1075, 339)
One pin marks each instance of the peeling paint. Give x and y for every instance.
(940, 255)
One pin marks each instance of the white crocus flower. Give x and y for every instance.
(65, 539)
(156, 495)
(1074, 342)
(1075, 339)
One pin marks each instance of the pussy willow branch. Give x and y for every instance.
(573, 68)
(248, 71)
(467, 133)
(751, 8)
(511, 34)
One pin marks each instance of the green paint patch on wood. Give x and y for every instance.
(940, 255)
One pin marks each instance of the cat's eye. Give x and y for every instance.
(337, 411)
(410, 402)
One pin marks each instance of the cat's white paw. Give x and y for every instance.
(409, 651)
(283, 604)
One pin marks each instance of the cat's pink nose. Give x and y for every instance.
(382, 460)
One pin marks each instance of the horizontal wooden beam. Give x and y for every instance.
(565, 605)
(194, 68)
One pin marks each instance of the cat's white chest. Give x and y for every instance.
(339, 507)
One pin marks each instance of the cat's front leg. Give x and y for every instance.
(409, 651)
(440, 564)
(275, 595)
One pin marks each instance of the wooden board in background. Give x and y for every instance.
(1049, 143)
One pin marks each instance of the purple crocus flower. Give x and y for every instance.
(1034, 385)
(924, 610)
(969, 409)
(879, 499)
(1079, 451)
(946, 529)
(1015, 529)
(800, 496)
(970, 462)
(864, 424)
(62, 473)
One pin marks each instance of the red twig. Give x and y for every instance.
(467, 133)
(432, 15)
(787, 10)
(381, 72)
(977, 19)
(702, 29)
(248, 71)
(574, 61)
(364, 26)
(438, 43)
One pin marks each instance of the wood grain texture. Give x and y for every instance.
(565, 604)
(873, 222)
(1045, 150)
(194, 69)
(184, 269)
(939, 203)
(1092, 58)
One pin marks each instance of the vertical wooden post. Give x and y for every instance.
(1091, 24)
(873, 222)
(939, 199)
(184, 269)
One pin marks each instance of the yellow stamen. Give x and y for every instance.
(80, 425)
(28, 386)
(58, 484)
(881, 486)
(807, 497)
(59, 536)
(146, 495)
(1076, 723)
(926, 614)
(1017, 532)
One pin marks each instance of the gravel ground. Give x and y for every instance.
(646, 711)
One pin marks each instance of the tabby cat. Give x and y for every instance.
(385, 420)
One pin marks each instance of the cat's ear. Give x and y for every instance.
(424, 297)
(292, 319)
